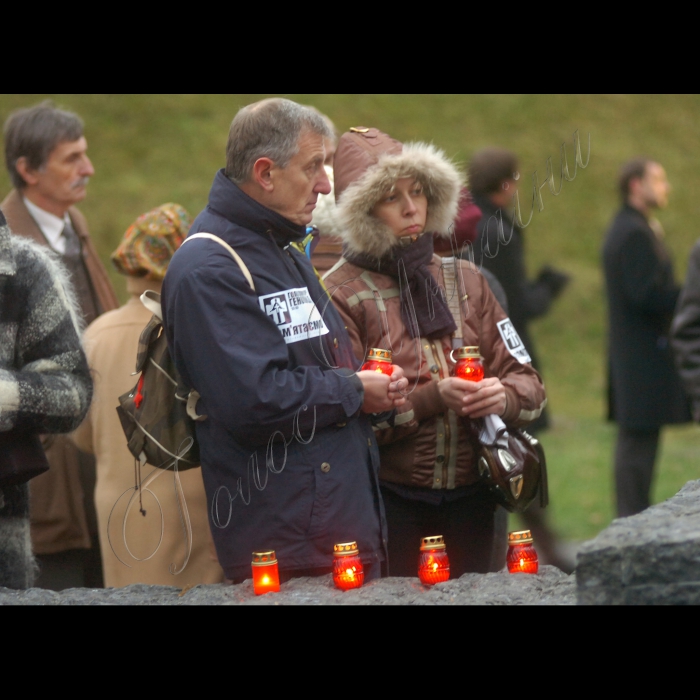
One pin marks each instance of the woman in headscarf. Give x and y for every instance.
(393, 293)
(132, 548)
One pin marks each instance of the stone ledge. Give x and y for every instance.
(646, 559)
(549, 587)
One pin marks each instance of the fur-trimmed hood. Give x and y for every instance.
(367, 164)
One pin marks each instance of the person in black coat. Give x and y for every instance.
(644, 390)
(499, 249)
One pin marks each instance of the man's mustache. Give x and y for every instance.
(82, 182)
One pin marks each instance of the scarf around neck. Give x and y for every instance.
(419, 290)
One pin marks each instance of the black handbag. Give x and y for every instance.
(21, 458)
(515, 473)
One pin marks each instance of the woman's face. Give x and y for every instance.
(404, 209)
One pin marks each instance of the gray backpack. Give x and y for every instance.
(158, 415)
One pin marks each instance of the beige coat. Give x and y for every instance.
(111, 343)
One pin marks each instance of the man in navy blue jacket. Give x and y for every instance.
(288, 453)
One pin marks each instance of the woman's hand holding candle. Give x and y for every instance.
(474, 399)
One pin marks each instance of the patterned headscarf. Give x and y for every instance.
(150, 242)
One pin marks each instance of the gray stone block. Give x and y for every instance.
(599, 567)
(649, 558)
(668, 594)
(601, 595)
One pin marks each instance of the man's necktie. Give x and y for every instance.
(72, 241)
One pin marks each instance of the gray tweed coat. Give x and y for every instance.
(45, 384)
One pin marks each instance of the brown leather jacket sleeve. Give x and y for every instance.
(524, 388)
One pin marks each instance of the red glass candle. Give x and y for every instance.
(469, 363)
(379, 360)
(266, 578)
(522, 557)
(433, 564)
(347, 566)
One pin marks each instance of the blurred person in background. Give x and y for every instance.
(111, 343)
(644, 389)
(685, 332)
(46, 157)
(45, 385)
(493, 181)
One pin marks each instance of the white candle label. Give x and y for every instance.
(295, 314)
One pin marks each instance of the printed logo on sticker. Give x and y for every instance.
(512, 340)
(295, 314)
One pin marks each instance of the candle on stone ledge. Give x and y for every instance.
(522, 557)
(266, 577)
(433, 564)
(379, 360)
(470, 365)
(347, 566)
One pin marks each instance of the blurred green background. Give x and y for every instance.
(150, 149)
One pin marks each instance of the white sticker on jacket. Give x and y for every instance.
(295, 314)
(512, 340)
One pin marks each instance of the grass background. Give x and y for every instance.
(149, 149)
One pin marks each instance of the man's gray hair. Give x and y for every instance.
(33, 133)
(269, 129)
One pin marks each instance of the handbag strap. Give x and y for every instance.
(233, 253)
(451, 277)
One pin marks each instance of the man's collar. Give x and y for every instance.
(229, 200)
(636, 211)
(50, 224)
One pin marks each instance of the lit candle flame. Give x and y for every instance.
(522, 563)
(350, 572)
(435, 566)
(266, 580)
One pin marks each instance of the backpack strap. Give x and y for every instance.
(233, 253)
(151, 300)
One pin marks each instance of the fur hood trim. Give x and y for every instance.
(442, 183)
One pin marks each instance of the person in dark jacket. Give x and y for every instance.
(644, 390)
(500, 249)
(493, 183)
(288, 453)
(685, 332)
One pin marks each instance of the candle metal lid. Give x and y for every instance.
(379, 354)
(264, 558)
(346, 549)
(467, 351)
(434, 542)
(520, 537)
